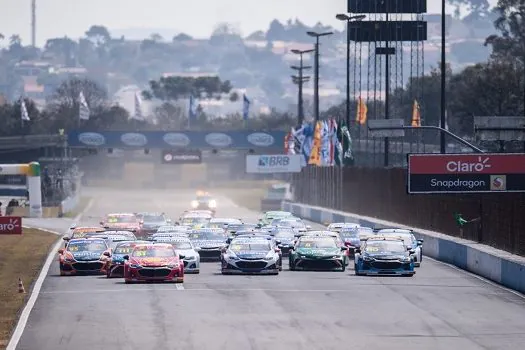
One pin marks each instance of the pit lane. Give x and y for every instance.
(439, 308)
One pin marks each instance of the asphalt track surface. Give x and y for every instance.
(439, 308)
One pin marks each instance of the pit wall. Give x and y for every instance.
(493, 264)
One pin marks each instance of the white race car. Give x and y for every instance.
(415, 245)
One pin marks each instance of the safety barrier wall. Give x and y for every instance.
(496, 265)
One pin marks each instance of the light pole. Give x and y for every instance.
(316, 70)
(443, 116)
(348, 19)
(300, 80)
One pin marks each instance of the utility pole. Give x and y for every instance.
(443, 116)
(348, 19)
(316, 70)
(300, 80)
(33, 23)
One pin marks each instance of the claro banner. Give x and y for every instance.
(275, 163)
(10, 225)
(466, 173)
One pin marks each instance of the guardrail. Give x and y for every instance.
(31, 141)
(496, 265)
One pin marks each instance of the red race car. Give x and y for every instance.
(153, 262)
(121, 221)
(84, 255)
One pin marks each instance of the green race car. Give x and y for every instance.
(318, 251)
(271, 215)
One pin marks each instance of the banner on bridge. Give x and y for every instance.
(466, 173)
(271, 140)
(272, 164)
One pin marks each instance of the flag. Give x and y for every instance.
(315, 153)
(325, 143)
(192, 110)
(23, 111)
(138, 115)
(298, 139)
(287, 138)
(83, 108)
(245, 107)
(362, 111)
(290, 142)
(306, 144)
(334, 142)
(416, 114)
(344, 155)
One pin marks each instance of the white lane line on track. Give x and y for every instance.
(179, 286)
(483, 279)
(24, 316)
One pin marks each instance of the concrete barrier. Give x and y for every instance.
(493, 264)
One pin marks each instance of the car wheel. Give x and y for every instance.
(127, 281)
(62, 273)
(343, 268)
(292, 266)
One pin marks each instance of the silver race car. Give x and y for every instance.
(250, 254)
(415, 246)
(208, 242)
(186, 251)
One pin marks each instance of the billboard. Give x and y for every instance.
(466, 173)
(271, 140)
(274, 163)
(181, 156)
(10, 225)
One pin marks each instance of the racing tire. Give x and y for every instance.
(62, 273)
(127, 282)
(343, 268)
(357, 273)
(291, 266)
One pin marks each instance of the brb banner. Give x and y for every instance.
(178, 139)
(466, 173)
(271, 164)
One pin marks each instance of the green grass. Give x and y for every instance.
(22, 257)
(82, 204)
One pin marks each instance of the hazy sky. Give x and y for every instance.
(57, 18)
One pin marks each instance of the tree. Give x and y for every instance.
(156, 37)
(98, 34)
(511, 25)
(276, 31)
(175, 88)
(63, 48)
(182, 37)
(226, 34)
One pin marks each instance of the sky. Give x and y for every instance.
(58, 18)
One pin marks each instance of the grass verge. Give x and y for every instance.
(244, 197)
(82, 204)
(21, 257)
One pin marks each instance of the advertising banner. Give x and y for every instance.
(272, 164)
(271, 140)
(466, 173)
(10, 225)
(182, 156)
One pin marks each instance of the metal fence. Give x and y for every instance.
(497, 219)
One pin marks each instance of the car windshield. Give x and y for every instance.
(385, 247)
(169, 229)
(291, 223)
(123, 248)
(153, 252)
(206, 235)
(96, 246)
(408, 238)
(258, 246)
(284, 234)
(117, 219)
(195, 220)
(153, 218)
(114, 243)
(349, 233)
(204, 199)
(324, 242)
(184, 245)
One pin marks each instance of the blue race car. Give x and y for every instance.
(387, 256)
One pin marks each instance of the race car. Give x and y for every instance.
(208, 242)
(173, 228)
(121, 221)
(195, 221)
(223, 223)
(317, 251)
(82, 232)
(83, 255)
(114, 264)
(352, 236)
(415, 246)
(383, 255)
(295, 224)
(271, 215)
(153, 262)
(150, 222)
(187, 252)
(114, 238)
(130, 235)
(204, 201)
(285, 239)
(166, 235)
(208, 213)
(338, 226)
(232, 228)
(252, 255)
